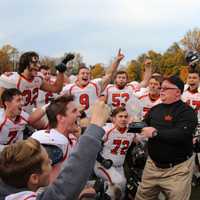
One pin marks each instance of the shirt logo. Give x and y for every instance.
(168, 118)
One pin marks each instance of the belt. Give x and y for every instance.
(172, 164)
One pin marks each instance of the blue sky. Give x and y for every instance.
(96, 28)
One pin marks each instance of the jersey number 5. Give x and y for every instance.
(116, 99)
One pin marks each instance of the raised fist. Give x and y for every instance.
(68, 57)
(148, 62)
(61, 67)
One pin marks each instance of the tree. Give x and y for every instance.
(184, 73)
(134, 70)
(97, 71)
(191, 41)
(152, 55)
(172, 60)
(5, 64)
(9, 58)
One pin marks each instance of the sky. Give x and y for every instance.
(96, 28)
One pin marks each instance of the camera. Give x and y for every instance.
(136, 127)
(139, 155)
(192, 58)
(133, 183)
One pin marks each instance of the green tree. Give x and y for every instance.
(134, 70)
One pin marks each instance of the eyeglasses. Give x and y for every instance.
(167, 88)
(46, 73)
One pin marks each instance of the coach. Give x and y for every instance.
(169, 167)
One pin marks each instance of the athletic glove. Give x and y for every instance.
(62, 66)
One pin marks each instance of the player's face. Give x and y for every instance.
(15, 106)
(121, 80)
(193, 80)
(154, 86)
(46, 74)
(34, 66)
(44, 177)
(121, 120)
(169, 92)
(83, 77)
(72, 116)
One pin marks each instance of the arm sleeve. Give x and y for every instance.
(66, 89)
(8, 81)
(98, 82)
(77, 168)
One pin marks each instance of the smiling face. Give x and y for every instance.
(169, 92)
(83, 77)
(15, 105)
(69, 120)
(34, 66)
(193, 80)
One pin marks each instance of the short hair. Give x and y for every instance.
(193, 71)
(118, 110)
(8, 95)
(25, 60)
(121, 72)
(45, 67)
(82, 67)
(57, 107)
(175, 80)
(18, 161)
(158, 78)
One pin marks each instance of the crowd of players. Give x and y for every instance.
(58, 109)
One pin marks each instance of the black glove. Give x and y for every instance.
(68, 58)
(107, 163)
(62, 66)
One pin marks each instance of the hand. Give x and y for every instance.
(148, 132)
(120, 56)
(87, 191)
(67, 58)
(76, 131)
(100, 113)
(148, 62)
(194, 140)
(61, 67)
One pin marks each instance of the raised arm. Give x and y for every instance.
(80, 164)
(147, 73)
(111, 71)
(35, 118)
(58, 85)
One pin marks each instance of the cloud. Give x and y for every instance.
(96, 29)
